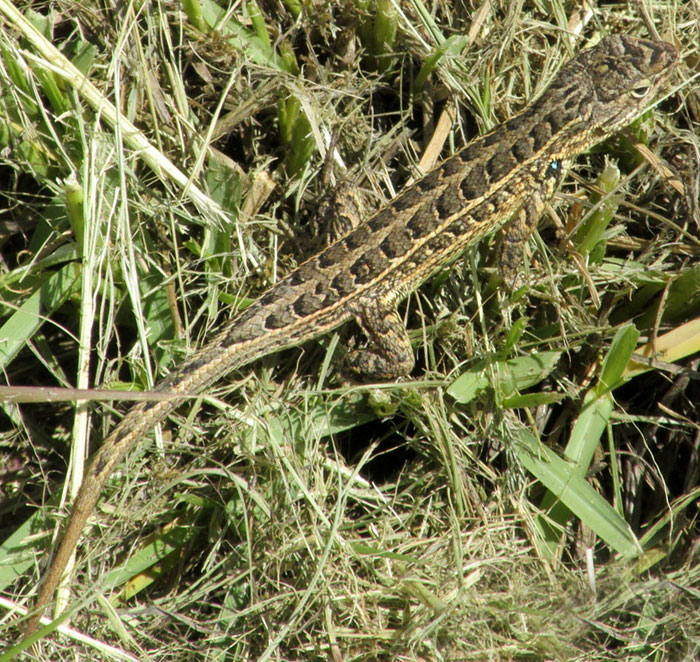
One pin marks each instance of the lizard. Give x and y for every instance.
(502, 179)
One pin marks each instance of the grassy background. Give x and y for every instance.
(288, 515)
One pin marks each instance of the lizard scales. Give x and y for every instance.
(509, 173)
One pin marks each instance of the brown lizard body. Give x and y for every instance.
(510, 173)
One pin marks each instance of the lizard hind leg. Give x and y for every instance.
(389, 354)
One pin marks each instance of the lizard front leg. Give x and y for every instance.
(520, 227)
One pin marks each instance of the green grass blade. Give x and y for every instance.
(33, 312)
(563, 479)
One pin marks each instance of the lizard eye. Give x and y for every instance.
(640, 91)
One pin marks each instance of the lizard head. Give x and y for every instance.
(626, 74)
(605, 87)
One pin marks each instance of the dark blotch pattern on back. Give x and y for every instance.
(366, 268)
(519, 125)
(522, 150)
(452, 166)
(269, 297)
(491, 139)
(307, 304)
(556, 120)
(499, 165)
(396, 243)
(429, 182)
(343, 284)
(475, 183)
(448, 204)
(439, 243)
(358, 238)
(311, 270)
(469, 153)
(419, 225)
(329, 257)
(458, 228)
(381, 219)
(481, 213)
(410, 198)
(540, 135)
(277, 320)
